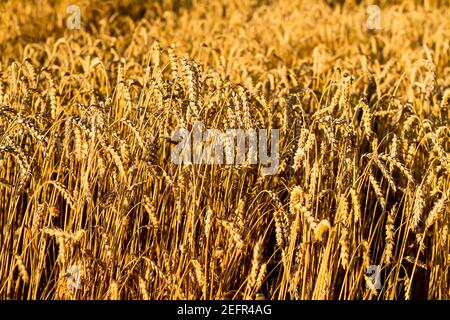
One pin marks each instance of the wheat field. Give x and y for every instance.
(92, 207)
